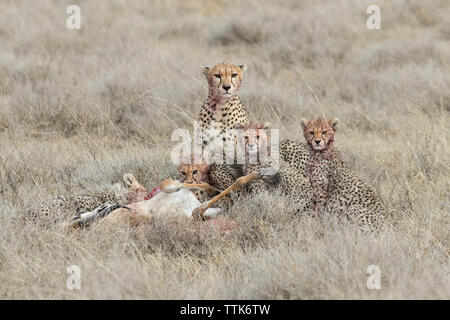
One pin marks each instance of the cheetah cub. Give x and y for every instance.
(262, 172)
(55, 210)
(335, 188)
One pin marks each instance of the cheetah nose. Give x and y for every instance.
(317, 141)
(226, 87)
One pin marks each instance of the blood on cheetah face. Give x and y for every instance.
(256, 137)
(224, 79)
(193, 173)
(319, 133)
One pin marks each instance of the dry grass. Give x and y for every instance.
(80, 108)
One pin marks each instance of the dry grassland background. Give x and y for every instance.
(78, 109)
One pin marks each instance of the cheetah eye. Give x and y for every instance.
(183, 173)
(324, 132)
(311, 133)
(217, 76)
(234, 75)
(195, 172)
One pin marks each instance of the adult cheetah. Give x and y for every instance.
(219, 115)
(335, 188)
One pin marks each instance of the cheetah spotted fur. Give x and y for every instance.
(335, 188)
(287, 177)
(219, 115)
(58, 209)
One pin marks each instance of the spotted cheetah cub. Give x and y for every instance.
(335, 188)
(287, 177)
(52, 211)
(196, 173)
(263, 170)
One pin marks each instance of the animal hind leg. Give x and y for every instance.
(84, 219)
(169, 186)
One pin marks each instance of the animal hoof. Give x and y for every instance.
(199, 213)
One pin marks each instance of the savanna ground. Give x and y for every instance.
(79, 108)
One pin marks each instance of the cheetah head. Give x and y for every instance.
(224, 79)
(256, 137)
(319, 133)
(191, 172)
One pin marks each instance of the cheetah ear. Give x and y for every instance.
(304, 123)
(243, 67)
(334, 123)
(129, 179)
(266, 125)
(205, 70)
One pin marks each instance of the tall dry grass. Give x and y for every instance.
(80, 108)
